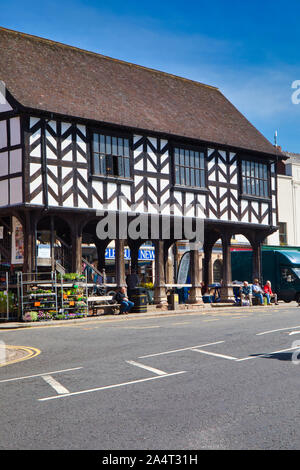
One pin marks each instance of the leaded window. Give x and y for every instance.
(111, 156)
(255, 179)
(189, 167)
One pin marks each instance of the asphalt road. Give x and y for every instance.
(225, 380)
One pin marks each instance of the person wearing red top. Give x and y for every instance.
(269, 293)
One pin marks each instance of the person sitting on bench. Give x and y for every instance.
(246, 293)
(121, 298)
(257, 291)
(269, 293)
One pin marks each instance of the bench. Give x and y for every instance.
(103, 302)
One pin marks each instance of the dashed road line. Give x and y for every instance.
(60, 389)
(151, 369)
(214, 354)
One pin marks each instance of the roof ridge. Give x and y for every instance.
(130, 64)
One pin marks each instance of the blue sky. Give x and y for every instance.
(248, 49)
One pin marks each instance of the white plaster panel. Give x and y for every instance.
(16, 193)
(3, 163)
(15, 131)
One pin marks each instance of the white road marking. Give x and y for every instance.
(110, 386)
(183, 349)
(39, 375)
(294, 333)
(151, 369)
(266, 354)
(54, 384)
(279, 329)
(214, 354)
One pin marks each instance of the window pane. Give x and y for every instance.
(102, 164)
(96, 143)
(96, 164)
(120, 146)
(109, 165)
(243, 168)
(176, 156)
(192, 177)
(181, 157)
(202, 178)
(197, 162)
(257, 187)
(197, 177)
(244, 186)
(253, 170)
(192, 158)
(182, 178)
(261, 188)
(102, 143)
(126, 148)
(256, 170)
(202, 165)
(177, 174)
(114, 146)
(248, 172)
(187, 176)
(266, 189)
(120, 166)
(108, 144)
(126, 167)
(253, 187)
(248, 185)
(187, 158)
(265, 172)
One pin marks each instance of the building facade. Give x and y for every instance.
(83, 135)
(288, 202)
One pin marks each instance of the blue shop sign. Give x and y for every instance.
(144, 254)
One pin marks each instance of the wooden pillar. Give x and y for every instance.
(101, 248)
(29, 237)
(134, 257)
(207, 248)
(120, 263)
(159, 285)
(226, 291)
(195, 292)
(76, 248)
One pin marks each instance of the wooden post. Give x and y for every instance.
(226, 291)
(76, 248)
(195, 292)
(120, 263)
(159, 285)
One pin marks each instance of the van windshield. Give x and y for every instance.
(297, 272)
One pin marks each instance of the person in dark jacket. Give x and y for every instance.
(121, 298)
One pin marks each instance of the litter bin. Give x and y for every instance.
(139, 297)
(173, 300)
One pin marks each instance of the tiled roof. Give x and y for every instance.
(49, 76)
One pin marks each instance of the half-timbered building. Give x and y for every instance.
(81, 133)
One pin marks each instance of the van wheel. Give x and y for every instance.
(297, 298)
